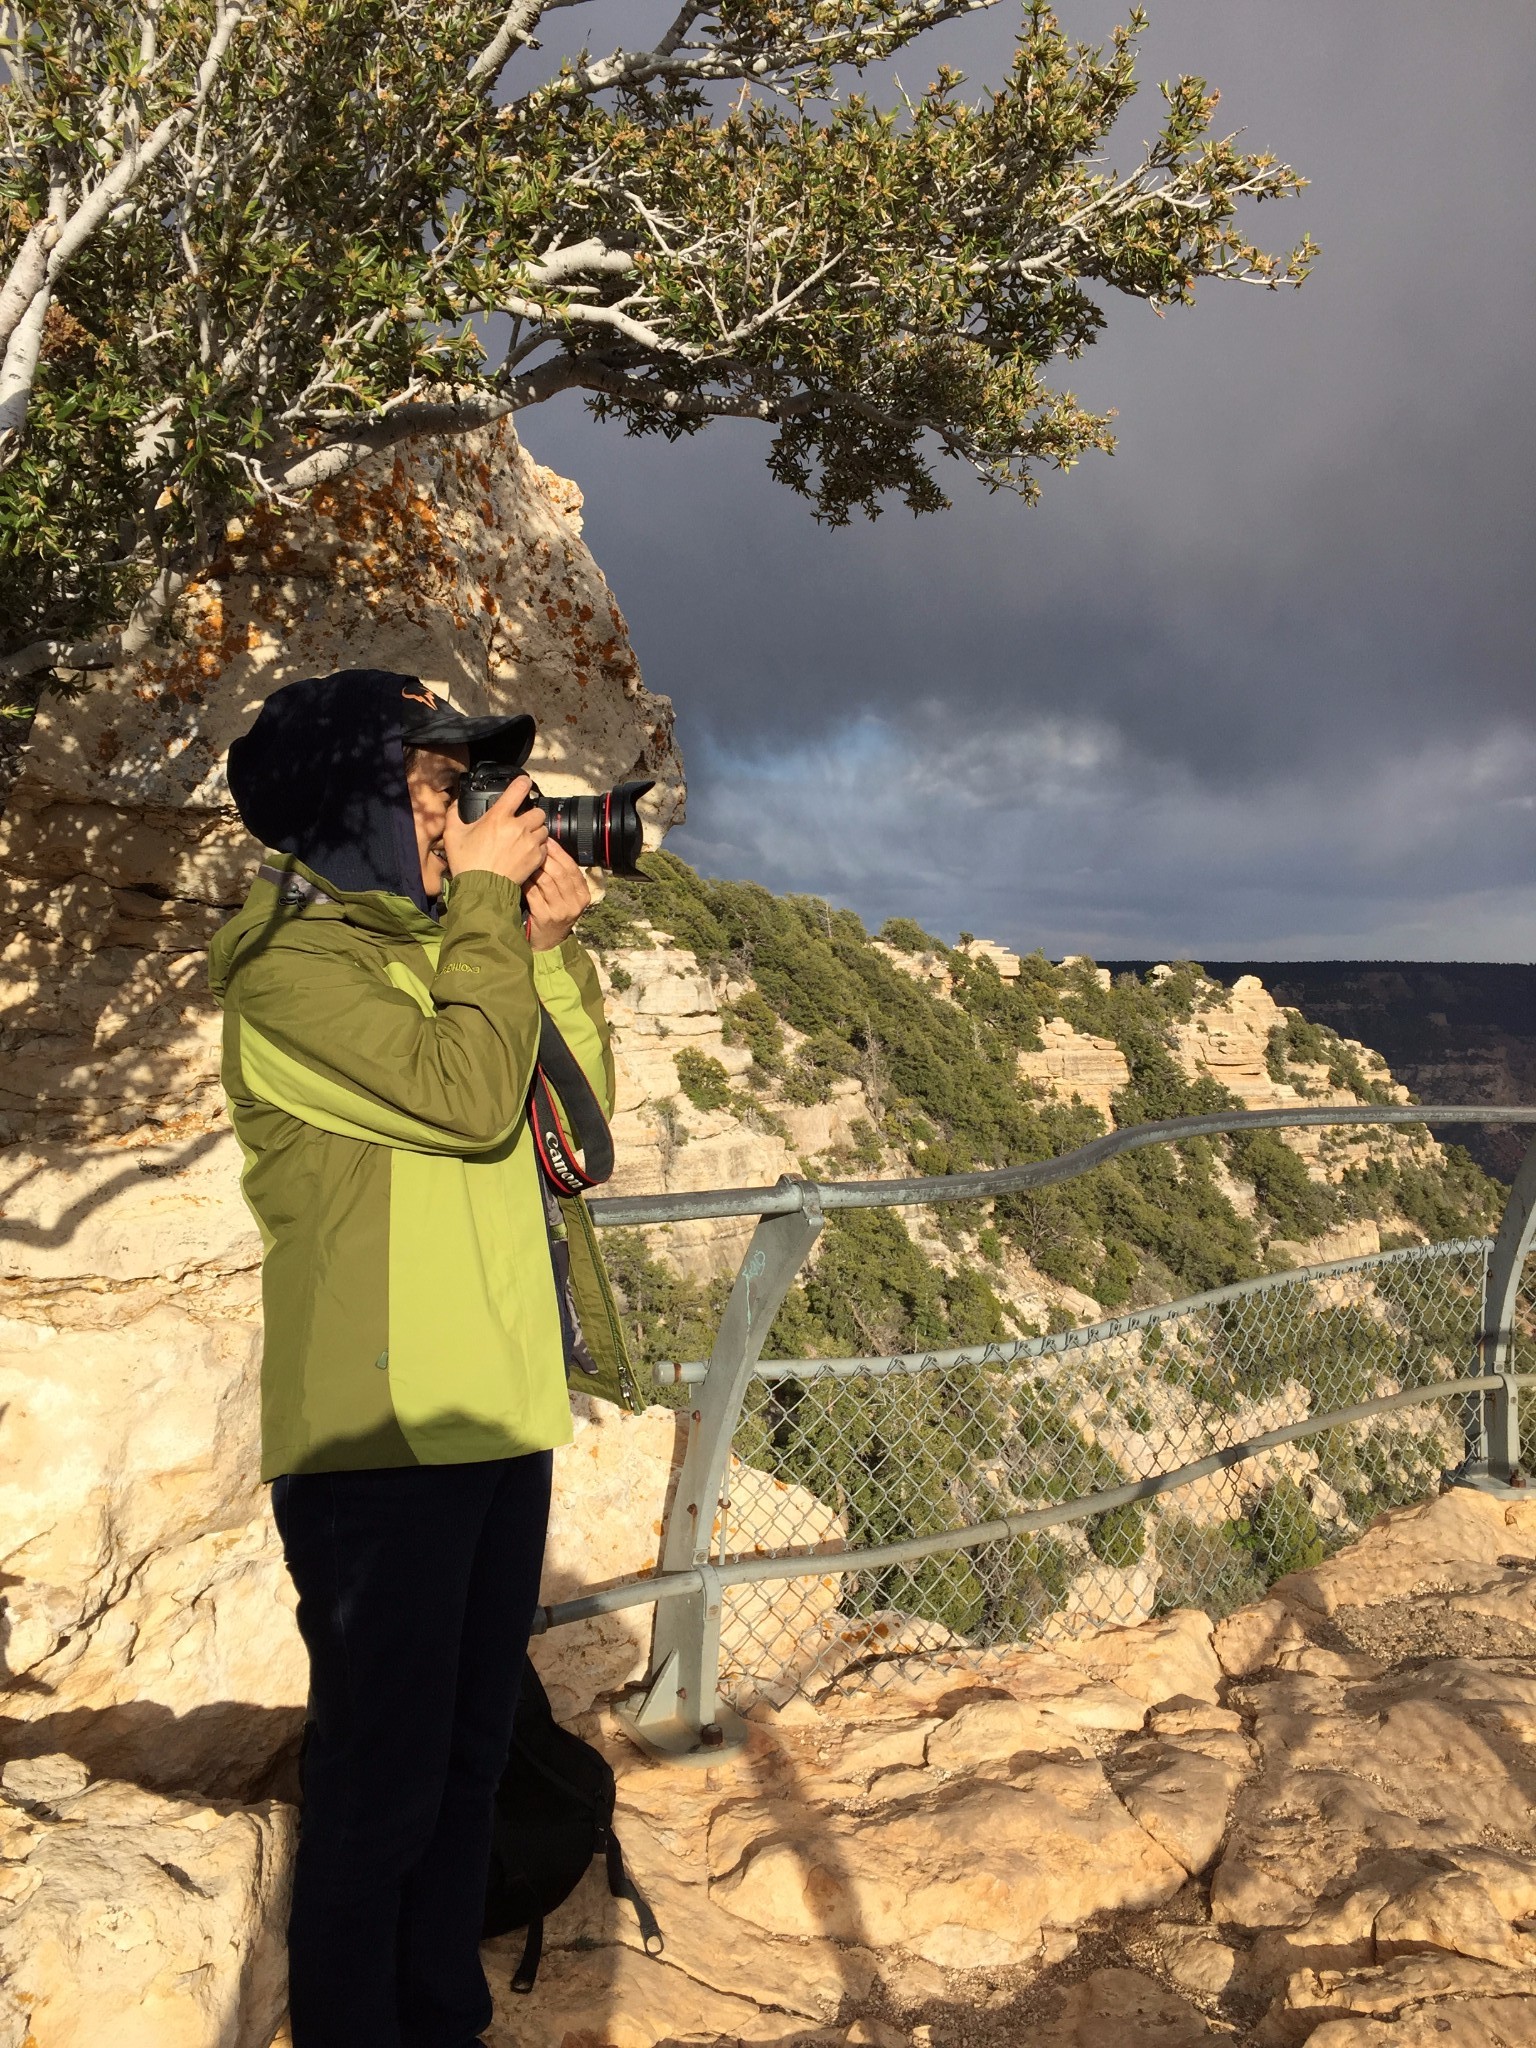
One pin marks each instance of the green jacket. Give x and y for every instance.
(377, 1066)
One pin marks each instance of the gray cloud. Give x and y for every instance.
(1258, 684)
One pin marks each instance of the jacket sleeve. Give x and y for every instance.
(324, 1039)
(566, 982)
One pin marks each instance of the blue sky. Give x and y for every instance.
(1259, 685)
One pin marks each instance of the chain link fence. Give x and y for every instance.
(833, 1456)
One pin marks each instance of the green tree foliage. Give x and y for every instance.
(907, 936)
(1150, 1224)
(243, 245)
(1300, 1042)
(666, 1316)
(1282, 1532)
(704, 1081)
(1299, 1206)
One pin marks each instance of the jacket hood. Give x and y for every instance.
(321, 776)
(385, 912)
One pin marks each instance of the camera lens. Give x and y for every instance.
(600, 831)
(596, 831)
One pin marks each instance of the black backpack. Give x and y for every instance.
(554, 1813)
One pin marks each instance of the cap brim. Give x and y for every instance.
(508, 740)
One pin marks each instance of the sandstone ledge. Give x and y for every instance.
(1299, 1826)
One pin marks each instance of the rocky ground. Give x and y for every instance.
(1315, 1822)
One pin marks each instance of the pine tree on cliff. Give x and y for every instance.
(246, 243)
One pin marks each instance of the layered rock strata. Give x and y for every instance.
(147, 1622)
(1314, 1823)
(1298, 1827)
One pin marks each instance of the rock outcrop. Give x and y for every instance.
(119, 850)
(1317, 1823)
(147, 1624)
(1073, 1064)
(661, 1004)
(143, 1921)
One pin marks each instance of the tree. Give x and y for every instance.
(245, 243)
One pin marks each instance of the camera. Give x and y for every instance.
(596, 831)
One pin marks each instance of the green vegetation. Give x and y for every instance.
(277, 235)
(665, 1315)
(704, 1081)
(1207, 1565)
(1282, 1532)
(1299, 1042)
(911, 1454)
(943, 1081)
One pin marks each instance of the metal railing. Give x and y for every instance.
(833, 1513)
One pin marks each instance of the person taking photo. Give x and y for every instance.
(383, 990)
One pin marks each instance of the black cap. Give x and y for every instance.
(436, 724)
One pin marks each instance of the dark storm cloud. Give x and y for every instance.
(1261, 682)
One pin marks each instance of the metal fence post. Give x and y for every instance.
(1492, 1462)
(679, 1715)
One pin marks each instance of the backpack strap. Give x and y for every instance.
(558, 1069)
(623, 1886)
(526, 1973)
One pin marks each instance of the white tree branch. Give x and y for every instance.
(28, 274)
(29, 296)
(135, 636)
(517, 26)
(18, 371)
(591, 258)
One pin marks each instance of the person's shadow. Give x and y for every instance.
(598, 1988)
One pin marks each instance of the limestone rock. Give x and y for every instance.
(1057, 1844)
(1414, 1999)
(1124, 2009)
(965, 1811)
(134, 1919)
(459, 561)
(1073, 1064)
(1202, 1966)
(1008, 965)
(710, 1944)
(125, 1211)
(661, 1004)
(617, 1999)
(149, 1618)
(1181, 1790)
(1450, 1911)
(1162, 1660)
(1469, 2023)
(1451, 1540)
(1226, 1038)
(929, 968)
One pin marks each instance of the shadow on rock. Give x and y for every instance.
(225, 1750)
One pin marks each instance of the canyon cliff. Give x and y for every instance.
(825, 1887)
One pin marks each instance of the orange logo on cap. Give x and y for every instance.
(426, 698)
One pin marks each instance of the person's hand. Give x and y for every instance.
(555, 897)
(503, 842)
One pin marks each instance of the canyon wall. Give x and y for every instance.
(146, 1625)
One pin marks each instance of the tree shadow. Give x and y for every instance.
(47, 1236)
(112, 905)
(768, 1773)
(224, 1750)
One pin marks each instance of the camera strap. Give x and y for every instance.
(558, 1073)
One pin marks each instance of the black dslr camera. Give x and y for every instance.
(596, 831)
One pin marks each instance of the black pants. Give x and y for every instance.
(416, 1588)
